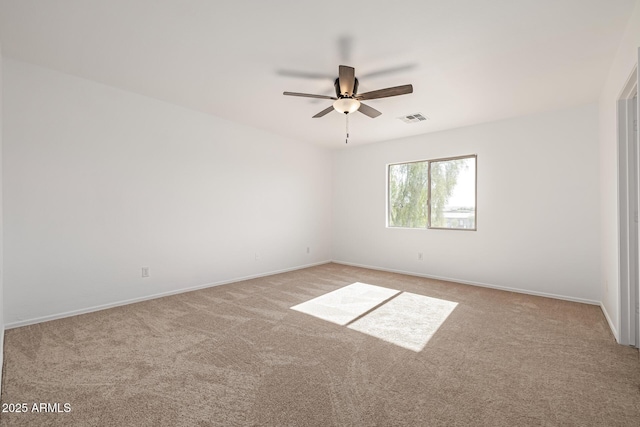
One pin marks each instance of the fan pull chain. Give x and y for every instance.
(346, 141)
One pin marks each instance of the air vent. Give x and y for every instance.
(414, 118)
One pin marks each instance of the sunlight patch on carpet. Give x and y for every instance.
(402, 318)
(408, 320)
(346, 304)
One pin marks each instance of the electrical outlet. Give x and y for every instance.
(419, 256)
(308, 250)
(606, 285)
(145, 271)
(257, 256)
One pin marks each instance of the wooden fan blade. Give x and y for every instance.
(386, 93)
(347, 79)
(324, 112)
(305, 75)
(368, 111)
(308, 95)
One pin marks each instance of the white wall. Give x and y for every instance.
(1, 238)
(538, 213)
(99, 182)
(621, 68)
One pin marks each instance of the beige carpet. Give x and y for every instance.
(238, 355)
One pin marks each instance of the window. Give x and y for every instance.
(437, 193)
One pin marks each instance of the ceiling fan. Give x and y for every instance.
(348, 100)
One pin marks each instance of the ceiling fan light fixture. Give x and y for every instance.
(346, 105)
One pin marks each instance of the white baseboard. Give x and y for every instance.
(467, 282)
(614, 331)
(48, 318)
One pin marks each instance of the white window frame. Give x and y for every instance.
(429, 162)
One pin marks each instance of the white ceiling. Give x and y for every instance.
(470, 61)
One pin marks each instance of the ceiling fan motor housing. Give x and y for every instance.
(336, 84)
